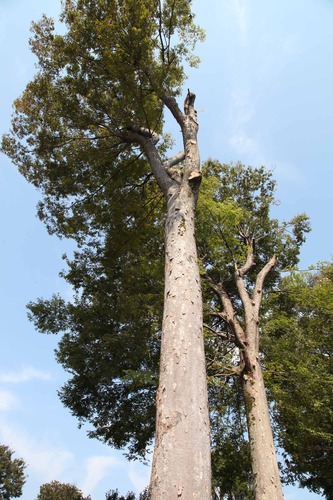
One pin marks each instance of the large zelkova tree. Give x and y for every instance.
(298, 349)
(97, 103)
(12, 476)
(242, 248)
(111, 321)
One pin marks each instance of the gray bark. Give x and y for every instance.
(181, 464)
(267, 483)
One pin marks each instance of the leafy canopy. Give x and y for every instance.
(56, 490)
(111, 330)
(298, 358)
(74, 128)
(235, 212)
(12, 477)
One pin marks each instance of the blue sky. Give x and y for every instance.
(264, 96)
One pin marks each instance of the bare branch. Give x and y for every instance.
(147, 140)
(143, 132)
(257, 293)
(171, 162)
(235, 371)
(171, 103)
(250, 262)
(222, 335)
(228, 315)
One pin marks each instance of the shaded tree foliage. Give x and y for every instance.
(112, 330)
(56, 491)
(90, 124)
(100, 329)
(115, 495)
(231, 463)
(240, 246)
(298, 356)
(12, 476)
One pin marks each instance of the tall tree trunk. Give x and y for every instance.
(181, 465)
(267, 484)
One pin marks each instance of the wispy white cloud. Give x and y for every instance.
(242, 104)
(139, 479)
(247, 147)
(25, 374)
(96, 469)
(240, 10)
(48, 462)
(7, 400)
(99, 467)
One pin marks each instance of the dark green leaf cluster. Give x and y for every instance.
(56, 491)
(12, 477)
(297, 347)
(231, 464)
(115, 495)
(111, 330)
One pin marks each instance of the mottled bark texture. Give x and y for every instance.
(267, 483)
(181, 463)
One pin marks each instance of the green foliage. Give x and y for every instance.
(12, 477)
(231, 464)
(237, 237)
(115, 495)
(107, 76)
(56, 491)
(111, 330)
(297, 345)
(234, 212)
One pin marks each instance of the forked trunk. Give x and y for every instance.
(267, 483)
(181, 464)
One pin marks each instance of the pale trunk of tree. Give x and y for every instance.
(181, 465)
(267, 484)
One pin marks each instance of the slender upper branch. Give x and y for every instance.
(257, 293)
(224, 336)
(147, 141)
(162, 177)
(240, 272)
(171, 103)
(241, 287)
(229, 315)
(250, 262)
(171, 162)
